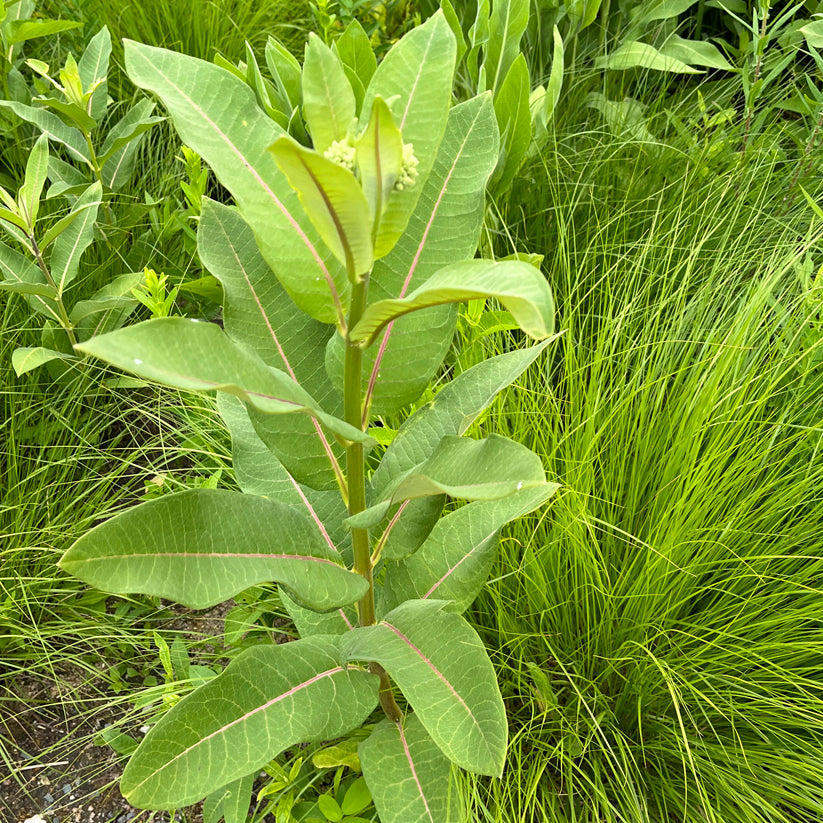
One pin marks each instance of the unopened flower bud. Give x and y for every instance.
(342, 153)
(408, 171)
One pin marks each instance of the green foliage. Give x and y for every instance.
(358, 231)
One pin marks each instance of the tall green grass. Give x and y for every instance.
(658, 628)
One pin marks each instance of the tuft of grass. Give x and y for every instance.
(658, 627)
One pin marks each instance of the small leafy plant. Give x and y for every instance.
(341, 265)
(45, 264)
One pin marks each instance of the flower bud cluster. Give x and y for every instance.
(341, 152)
(408, 171)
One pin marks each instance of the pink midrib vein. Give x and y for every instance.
(414, 771)
(434, 668)
(263, 185)
(407, 282)
(223, 729)
(454, 568)
(318, 430)
(228, 555)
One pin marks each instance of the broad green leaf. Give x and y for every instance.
(54, 127)
(441, 666)
(457, 29)
(340, 754)
(37, 168)
(409, 778)
(75, 238)
(460, 467)
(107, 308)
(189, 354)
(357, 798)
(455, 560)
(27, 359)
(379, 161)
(455, 407)
(16, 220)
(328, 99)
(478, 38)
(23, 287)
(217, 115)
(70, 111)
(18, 273)
(415, 78)
(254, 78)
(258, 314)
(268, 699)
(310, 623)
(521, 289)
(445, 227)
(258, 471)
(635, 55)
(511, 106)
(412, 525)
(695, 53)
(66, 179)
(582, 12)
(201, 547)
(19, 31)
(286, 73)
(119, 149)
(659, 10)
(94, 67)
(355, 52)
(64, 222)
(134, 122)
(507, 23)
(813, 32)
(543, 101)
(332, 200)
(237, 799)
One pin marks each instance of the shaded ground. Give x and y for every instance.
(52, 760)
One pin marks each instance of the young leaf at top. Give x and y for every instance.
(379, 161)
(189, 354)
(415, 78)
(409, 778)
(442, 668)
(357, 56)
(268, 699)
(201, 547)
(332, 200)
(217, 115)
(521, 288)
(328, 99)
(445, 227)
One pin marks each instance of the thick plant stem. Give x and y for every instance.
(355, 459)
(356, 481)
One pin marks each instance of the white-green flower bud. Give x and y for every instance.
(342, 153)
(408, 171)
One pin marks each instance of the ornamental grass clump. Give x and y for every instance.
(352, 238)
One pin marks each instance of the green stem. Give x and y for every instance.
(356, 482)
(355, 458)
(64, 315)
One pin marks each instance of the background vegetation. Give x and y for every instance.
(657, 629)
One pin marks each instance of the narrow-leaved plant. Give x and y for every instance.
(341, 264)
